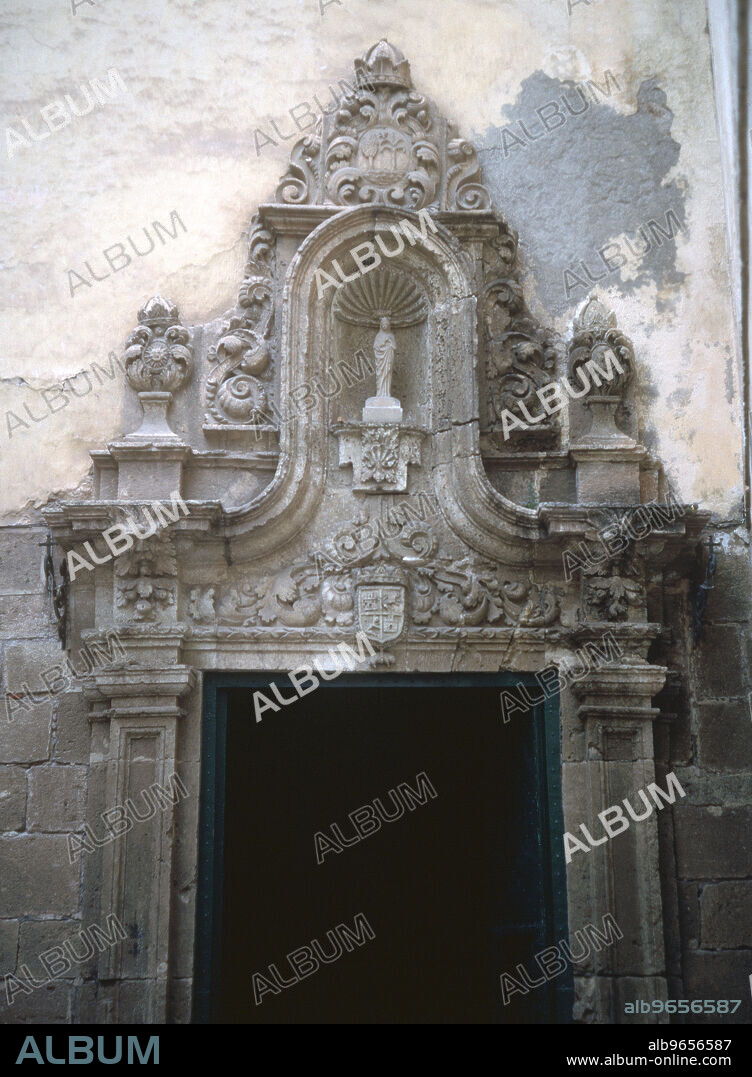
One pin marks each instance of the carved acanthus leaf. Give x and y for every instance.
(235, 393)
(520, 355)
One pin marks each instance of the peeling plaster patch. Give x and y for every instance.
(572, 189)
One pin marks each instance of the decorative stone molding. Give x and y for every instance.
(434, 589)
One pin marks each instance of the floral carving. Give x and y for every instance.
(146, 598)
(157, 355)
(611, 598)
(380, 454)
(322, 589)
(144, 571)
(595, 335)
(520, 356)
(613, 588)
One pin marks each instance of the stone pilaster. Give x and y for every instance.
(621, 874)
(137, 712)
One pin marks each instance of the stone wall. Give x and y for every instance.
(712, 757)
(44, 763)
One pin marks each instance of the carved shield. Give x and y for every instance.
(381, 611)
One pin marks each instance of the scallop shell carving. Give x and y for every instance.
(382, 293)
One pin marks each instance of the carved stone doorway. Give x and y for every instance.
(453, 519)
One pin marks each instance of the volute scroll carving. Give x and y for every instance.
(238, 390)
(520, 355)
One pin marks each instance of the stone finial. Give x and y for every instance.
(601, 364)
(157, 355)
(593, 315)
(158, 362)
(598, 346)
(383, 65)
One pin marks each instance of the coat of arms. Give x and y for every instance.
(381, 604)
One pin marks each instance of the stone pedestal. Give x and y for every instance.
(382, 409)
(608, 472)
(149, 470)
(154, 425)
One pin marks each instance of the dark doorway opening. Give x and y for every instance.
(466, 882)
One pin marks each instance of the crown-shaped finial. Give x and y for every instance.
(158, 311)
(383, 65)
(594, 315)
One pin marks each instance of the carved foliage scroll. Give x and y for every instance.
(437, 590)
(520, 355)
(237, 390)
(385, 144)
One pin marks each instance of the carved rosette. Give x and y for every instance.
(237, 393)
(385, 144)
(379, 454)
(157, 354)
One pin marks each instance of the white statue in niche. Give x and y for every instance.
(384, 300)
(384, 348)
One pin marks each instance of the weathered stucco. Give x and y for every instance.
(203, 87)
